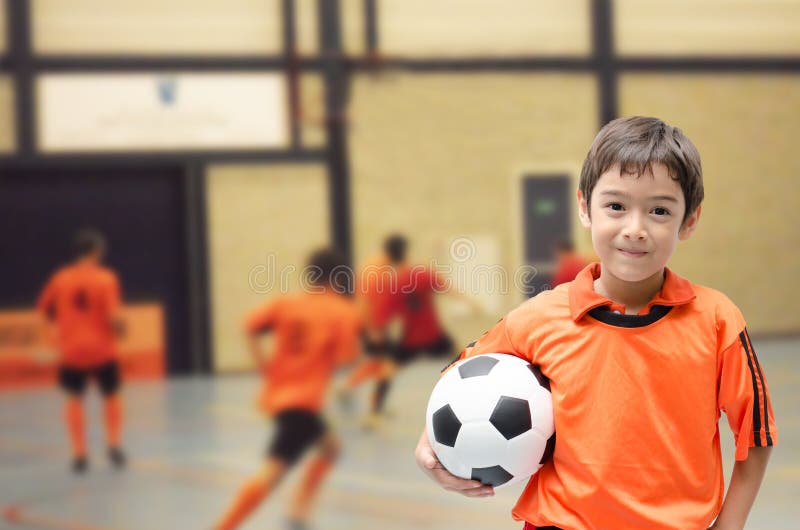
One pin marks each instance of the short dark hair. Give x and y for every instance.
(326, 265)
(395, 247)
(87, 241)
(635, 143)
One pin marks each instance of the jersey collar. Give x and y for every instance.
(583, 298)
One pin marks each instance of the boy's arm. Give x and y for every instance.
(254, 347)
(45, 307)
(113, 306)
(745, 482)
(743, 394)
(257, 324)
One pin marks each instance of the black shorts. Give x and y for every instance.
(441, 347)
(73, 380)
(376, 348)
(297, 430)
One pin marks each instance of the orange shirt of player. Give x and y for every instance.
(567, 269)
(81, 299)
(636, 402)
(376, 286)
(314, 333)
(417, 287)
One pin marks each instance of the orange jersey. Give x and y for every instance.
(377, 286)
(636, 399)
(314, 333)
(81, 300)
(415, 304)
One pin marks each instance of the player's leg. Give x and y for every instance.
(252, 493)
(314, 474)
(73, 382)
(389, 367)
(296, 431)
(108, 377)
(370, 367)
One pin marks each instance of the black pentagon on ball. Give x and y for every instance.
(446, 426)
(478, 366)
(537, 373)
(511, 416)
(491, 476)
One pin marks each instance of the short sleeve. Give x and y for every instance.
(496, 340)
(744, 396)
(262, 319)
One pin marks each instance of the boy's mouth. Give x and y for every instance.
(632, 253)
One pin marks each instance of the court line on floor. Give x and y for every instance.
(361, 503)
(15, 515)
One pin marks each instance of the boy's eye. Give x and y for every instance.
(660, 211)
(617, 207)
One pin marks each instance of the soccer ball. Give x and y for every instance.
(490, 418)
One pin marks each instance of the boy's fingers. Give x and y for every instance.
(485, 491)
(448, 480)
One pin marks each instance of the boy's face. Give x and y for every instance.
(636, 221)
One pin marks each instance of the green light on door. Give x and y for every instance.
(543, 207)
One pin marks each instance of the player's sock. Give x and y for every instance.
(247, 499)
(379, 398)
(113, 416)
(76, 427)
(317, 469)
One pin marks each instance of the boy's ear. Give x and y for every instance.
(689, 225)
(583, 210)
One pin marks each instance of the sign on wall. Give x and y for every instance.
(27, 359)
(158, 112)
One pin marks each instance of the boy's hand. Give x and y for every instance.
(427, 461)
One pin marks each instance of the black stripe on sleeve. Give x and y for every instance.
(756, 404)
(763, 388)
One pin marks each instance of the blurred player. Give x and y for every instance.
(315, 332)
(568, 263)
(376, 288)
(412, 302)
(80, 304)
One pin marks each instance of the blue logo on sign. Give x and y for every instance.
(167, 90)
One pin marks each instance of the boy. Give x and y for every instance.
(410, 298)
(640, 360)
(80, 304)
(315, 332)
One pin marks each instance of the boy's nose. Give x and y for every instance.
(635, 230)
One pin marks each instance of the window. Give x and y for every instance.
(154, 27)
(720, 27)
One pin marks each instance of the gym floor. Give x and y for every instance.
(192, 441)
